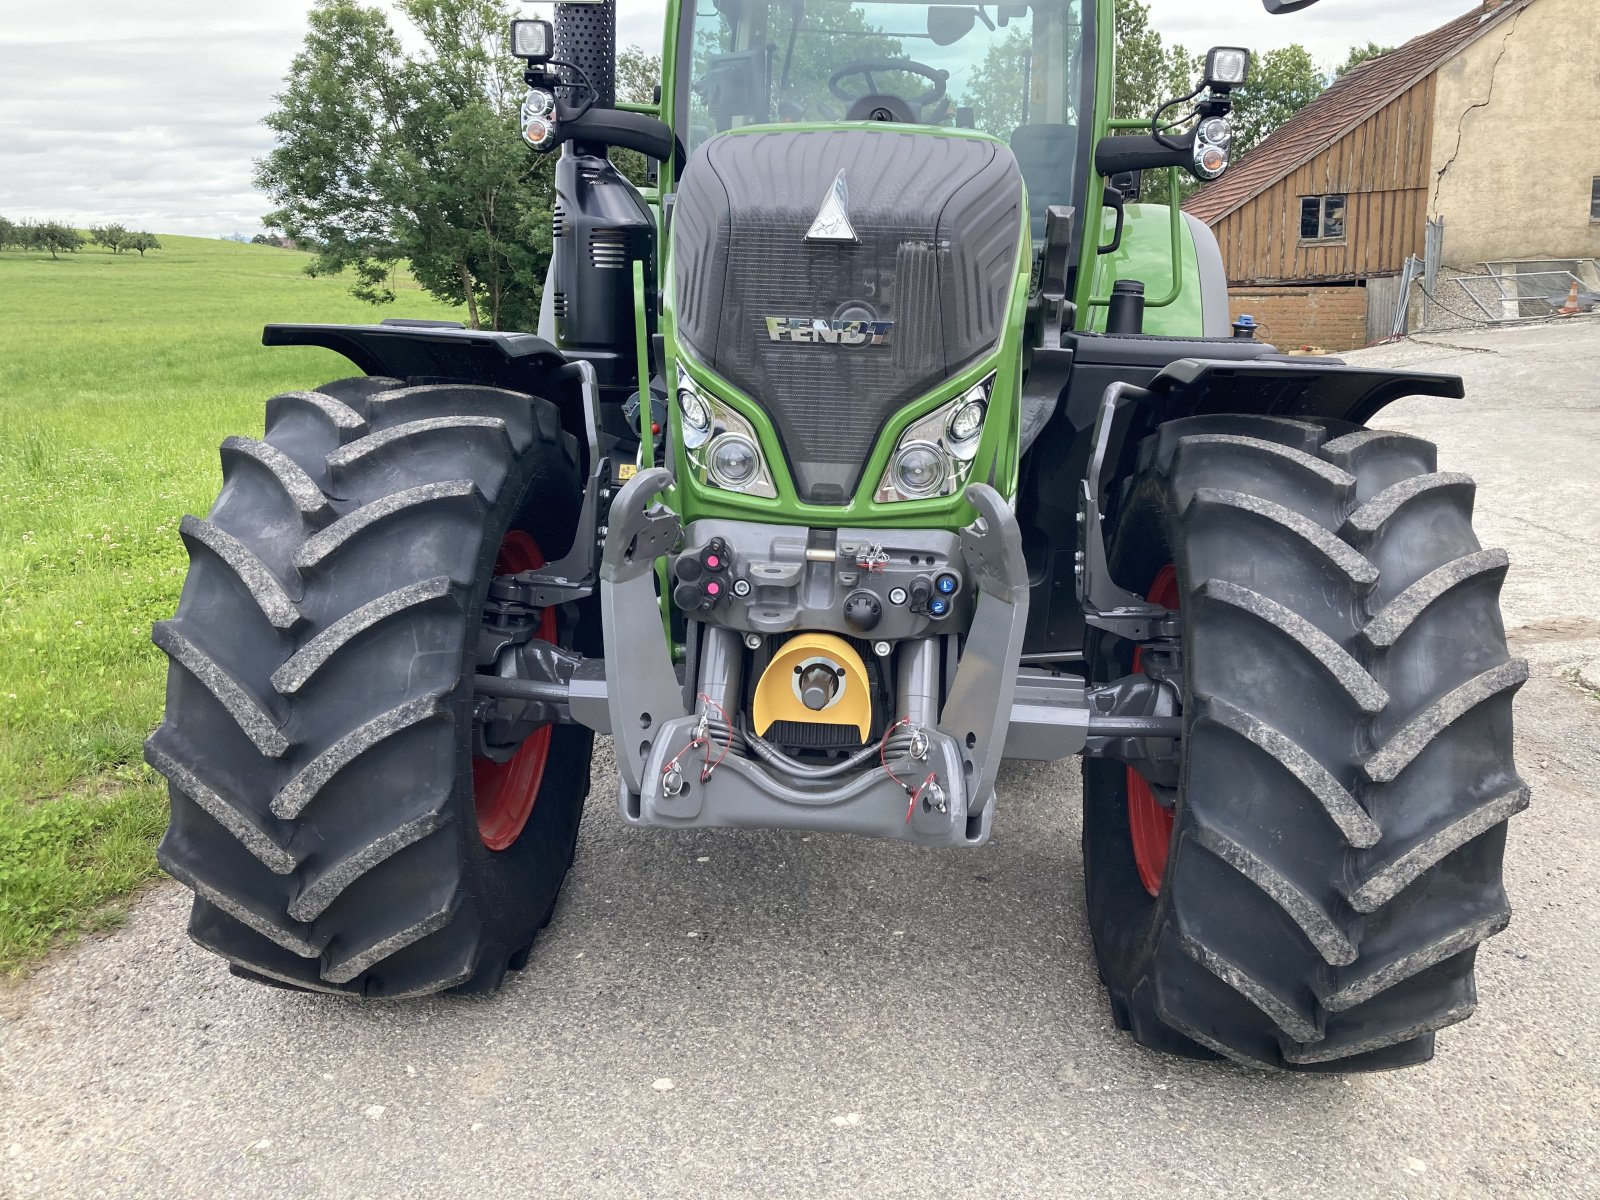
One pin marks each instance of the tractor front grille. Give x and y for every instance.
(938, 222)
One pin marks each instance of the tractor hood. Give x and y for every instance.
(836, 275)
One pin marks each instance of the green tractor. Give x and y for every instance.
(884, 436)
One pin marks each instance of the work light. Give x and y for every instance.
(533, 40)
(1227, 67)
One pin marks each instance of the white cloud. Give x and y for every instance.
(149, 111)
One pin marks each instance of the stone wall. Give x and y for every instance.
(1327, 318)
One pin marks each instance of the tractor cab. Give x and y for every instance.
(1014, 71)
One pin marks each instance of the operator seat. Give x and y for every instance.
(1047, 155)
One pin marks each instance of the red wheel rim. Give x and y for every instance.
(504, 793)
(1148, 820)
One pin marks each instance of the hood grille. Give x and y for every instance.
(938, 222)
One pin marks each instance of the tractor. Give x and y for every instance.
(873, 434)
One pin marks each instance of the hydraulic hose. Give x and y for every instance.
(781, 762)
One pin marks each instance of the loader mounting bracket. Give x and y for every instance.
(1105, 605)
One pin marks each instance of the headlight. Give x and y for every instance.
(966, 426)
(935, 456)
(733, 461)
(919, 470)
(722, 446)
(696, 415)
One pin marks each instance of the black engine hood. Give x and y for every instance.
(836, 331)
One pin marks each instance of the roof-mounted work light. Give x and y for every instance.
(1227, 67)
(533, 40)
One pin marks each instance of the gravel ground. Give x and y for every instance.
(722, 1014)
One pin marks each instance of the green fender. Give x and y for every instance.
(1200, 306)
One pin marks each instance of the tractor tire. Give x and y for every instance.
(1336, 840)
(318, 739)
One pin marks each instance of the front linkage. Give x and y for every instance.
(686, 756)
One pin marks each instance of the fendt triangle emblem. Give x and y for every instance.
(833, 222)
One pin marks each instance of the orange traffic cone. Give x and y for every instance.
(1570, 308)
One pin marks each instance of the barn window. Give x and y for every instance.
(1322, 218)
(1594, 200)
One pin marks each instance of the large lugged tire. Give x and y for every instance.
(1337, 837)
(318, 731)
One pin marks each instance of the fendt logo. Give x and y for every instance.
(837, 333)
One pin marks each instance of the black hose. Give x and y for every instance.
(781, 762)
(1113, 726)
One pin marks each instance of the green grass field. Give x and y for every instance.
(119, 377)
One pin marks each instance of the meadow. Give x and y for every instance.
(119, 377)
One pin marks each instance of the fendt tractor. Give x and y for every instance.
(874, 435)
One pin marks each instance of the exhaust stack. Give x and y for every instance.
(586, 36)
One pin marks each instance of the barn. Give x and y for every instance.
(1484, 126)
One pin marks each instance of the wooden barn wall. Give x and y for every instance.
(1382, 166)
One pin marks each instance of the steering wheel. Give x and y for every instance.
(867, 66)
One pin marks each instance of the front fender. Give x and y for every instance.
(433, 352)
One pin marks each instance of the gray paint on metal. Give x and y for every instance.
(642, 686)
(1216, 316)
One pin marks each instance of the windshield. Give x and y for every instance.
(1011, 70)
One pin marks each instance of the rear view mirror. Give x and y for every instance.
(735, 86)
(947, 25)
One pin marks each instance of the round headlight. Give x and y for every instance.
(965, 426)
(696, 419)
(919, 470)
(1217, 131)
(734, 462)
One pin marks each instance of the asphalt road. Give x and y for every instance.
(777, 1015)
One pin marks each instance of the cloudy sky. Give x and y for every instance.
(148, 111)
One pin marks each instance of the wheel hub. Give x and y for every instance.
(1149, 821)
(504, 793)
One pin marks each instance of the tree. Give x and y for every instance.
(10, 234)
(1359, 55)
(1142, 66)
(638, 76)
(1148, 74)
(1281, 83)
(142, 242)
(384, 158)
(112, 237)
(54, 236)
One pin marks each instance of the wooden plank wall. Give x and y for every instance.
(1382, 165)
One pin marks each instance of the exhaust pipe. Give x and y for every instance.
(586, 36)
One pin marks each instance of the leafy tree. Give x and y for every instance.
(10, 234)
(638, 76)
(1281, 83)
(1359, 55)
(384, 158)
(112, 237)
(997, 87)
(142, 242)
(1148, 71)
(55, 236)
(1148, 74)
